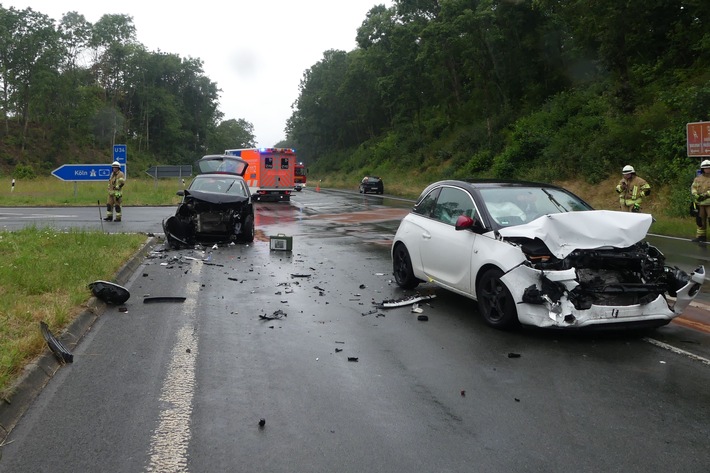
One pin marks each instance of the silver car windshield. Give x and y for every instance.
(517, 205)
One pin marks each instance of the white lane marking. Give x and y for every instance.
(171, 438)
(677, 351)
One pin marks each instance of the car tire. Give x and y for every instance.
(495, 303)
(402, 268)
(247, 234)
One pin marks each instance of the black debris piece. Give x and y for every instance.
(362, 286)
(298, 275)
(148, 300)
(517, 400)
(233, 279)
(354, 359)
(278, 314)
(463, 393)
(262, 422)
(373, 311)
(338, 350)
(319, 288)
(109, 292)
(423, 318)
(514, 355)
(123, 309)
(59, 350)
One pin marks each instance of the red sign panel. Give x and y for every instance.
(698, 136)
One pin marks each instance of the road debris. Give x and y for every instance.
(514, 355)
(278, 314)
(354, 359)
(148, 300)
(109, 292)
(59, 350)
(392, 303)
(416, 309)
(423, 318)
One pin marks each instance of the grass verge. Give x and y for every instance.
(44, 275)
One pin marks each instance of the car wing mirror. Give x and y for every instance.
(464, 222)
(180, 193)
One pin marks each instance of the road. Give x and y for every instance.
(292, 339)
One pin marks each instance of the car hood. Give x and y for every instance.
(565, 232)
(215, 198)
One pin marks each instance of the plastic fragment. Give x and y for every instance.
(59, 350)
(391, 303)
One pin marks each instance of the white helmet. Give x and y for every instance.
(705, 164)
(628, 169)
(116, 164)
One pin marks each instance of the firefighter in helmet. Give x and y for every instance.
(701, 196)
(631, 190)
(115, 192)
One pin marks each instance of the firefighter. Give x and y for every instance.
(701, 196)
(115, 192)
(631, 190)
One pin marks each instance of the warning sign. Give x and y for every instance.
(698, 137)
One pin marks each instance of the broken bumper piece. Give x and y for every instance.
(547, 302)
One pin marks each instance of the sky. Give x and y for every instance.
(256, 51)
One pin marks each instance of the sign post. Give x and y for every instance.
(698, 139)
(120, 154)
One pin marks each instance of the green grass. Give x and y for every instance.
(51, 192)
(44, 275)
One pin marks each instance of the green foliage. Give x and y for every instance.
(23, 171)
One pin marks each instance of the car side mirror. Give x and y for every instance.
(181, 193)
(464, 222)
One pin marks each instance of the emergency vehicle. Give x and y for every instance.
(271, 171)
(300, 176)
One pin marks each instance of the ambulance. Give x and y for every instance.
(271, 172)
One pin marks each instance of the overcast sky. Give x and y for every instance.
(256, 51)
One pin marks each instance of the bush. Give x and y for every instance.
(23, 171)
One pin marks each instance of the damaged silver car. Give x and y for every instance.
(216, 207)
(536, 254)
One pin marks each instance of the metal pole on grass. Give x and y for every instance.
(98, 202)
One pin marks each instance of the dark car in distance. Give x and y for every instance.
(372, 184)
(216, 207)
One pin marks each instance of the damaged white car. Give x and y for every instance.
(536, 254)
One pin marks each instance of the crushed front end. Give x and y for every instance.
(201, 221)
(590, 287)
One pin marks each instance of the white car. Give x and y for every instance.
(536, 254)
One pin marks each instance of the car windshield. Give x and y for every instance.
(219, 185)
(372, 180)
(517, 205)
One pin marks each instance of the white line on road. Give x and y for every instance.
(170, 440)
(678, 351)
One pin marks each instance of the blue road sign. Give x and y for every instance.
(83, 172)
(120, 153)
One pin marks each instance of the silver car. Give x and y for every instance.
(536, 254)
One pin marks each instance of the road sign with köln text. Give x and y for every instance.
(83, 172)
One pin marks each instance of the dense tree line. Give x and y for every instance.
(544, 89)
(70, 87)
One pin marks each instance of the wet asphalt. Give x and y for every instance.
(279, 361)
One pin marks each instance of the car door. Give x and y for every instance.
(446, 252)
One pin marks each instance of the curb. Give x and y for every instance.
(40, 371)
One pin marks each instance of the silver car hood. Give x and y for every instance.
(565, 232)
